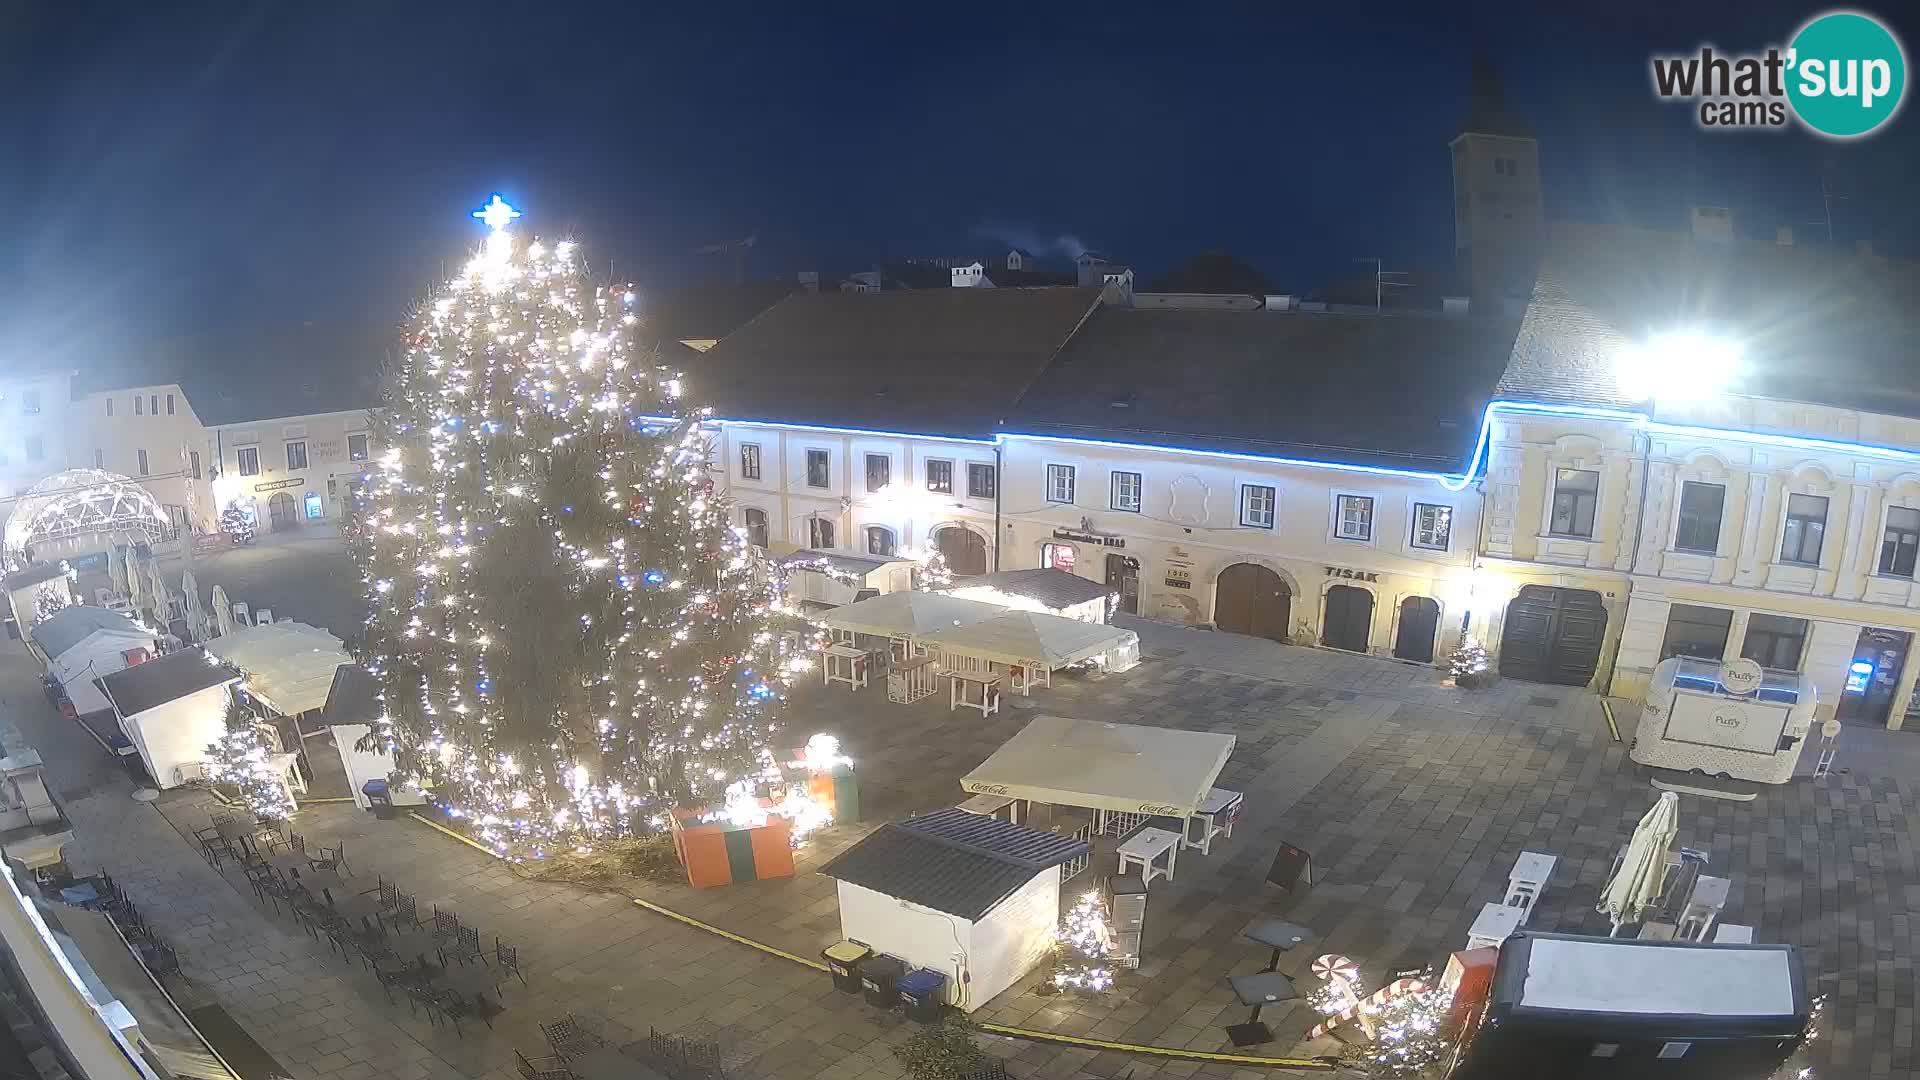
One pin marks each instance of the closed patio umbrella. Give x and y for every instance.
(136, 583)
(222, 611)
(1637, 881)
(117, 570)
(196, 614)
(162, 596)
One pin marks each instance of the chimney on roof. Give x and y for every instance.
(1455, 306)
(1713, 223)
(1783, 236)
(1282, 302)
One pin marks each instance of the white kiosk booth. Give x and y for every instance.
(1729, 720)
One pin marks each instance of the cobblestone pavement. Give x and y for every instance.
(1414, 800)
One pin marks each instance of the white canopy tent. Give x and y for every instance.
(909, 615)
(1038, 643)
(1123, 768)
(288, 665)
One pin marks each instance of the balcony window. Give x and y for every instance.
(1805, 529)
(1700, 509)
(1900, 541)
(1576, 493)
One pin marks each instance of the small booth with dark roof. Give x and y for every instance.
(1045, 590)
(172, 709)
(973, 898)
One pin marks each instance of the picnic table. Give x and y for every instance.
(1145, 849)
(847, 664)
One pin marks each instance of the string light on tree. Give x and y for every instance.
(569, 634)
(243, 758)
(1084, 940)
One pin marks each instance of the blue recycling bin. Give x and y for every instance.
(924, 993)
(380, 799)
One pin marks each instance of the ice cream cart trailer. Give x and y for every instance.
(1729, 720)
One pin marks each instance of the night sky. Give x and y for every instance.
(267, 165)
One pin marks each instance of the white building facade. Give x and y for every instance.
(152, 435)
(34, 417)
(293, 472)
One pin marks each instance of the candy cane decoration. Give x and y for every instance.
(1379, 997)
(1342, 974)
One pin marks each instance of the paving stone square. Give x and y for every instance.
(1413, 798)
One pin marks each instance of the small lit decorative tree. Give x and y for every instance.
(1084, 940)
(1469, 665)
(242, 758)
(570, 635)
(932, 572)
(1411, 1038)
(48, 602)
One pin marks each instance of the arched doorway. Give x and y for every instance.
(965, 551)
(1419, 618)
(1349, 621)
(1553, 635)
(281, 511)
(1123, 577)
(1250, 599)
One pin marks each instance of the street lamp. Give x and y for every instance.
(1677, 367)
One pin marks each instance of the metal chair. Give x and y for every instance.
(466, 946)
(332, 858)
(389, 895)
(507, 959)
(446, 925)
(406, 911)
(568, 1039)
(549, 1068)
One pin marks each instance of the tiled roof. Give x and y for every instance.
(141, 687)
(714, 309)
(1054, 588)
(951, 860)
(1401, 391)
(932, 362)
(1814, 324)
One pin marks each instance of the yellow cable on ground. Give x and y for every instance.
(994, 1029)
(1611, 726)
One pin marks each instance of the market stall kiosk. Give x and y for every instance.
(971, 897)
(1732, 720)
(353, 704)
(172, 709)
(1045, 590)
(289, 668)
(1027, 647)
(1561, 1005)
(84, 643)
(1082, 778)
(902, 619)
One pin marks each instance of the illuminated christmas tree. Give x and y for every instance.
(569, 635)
(242, 758)
(1083, 942)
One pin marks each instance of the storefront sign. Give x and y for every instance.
(1740, 676)
(276, 485)
(1178, 578)
(1089, 538)
(1353, 575)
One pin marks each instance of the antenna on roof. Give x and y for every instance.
(1827, 198)
(1380, 279)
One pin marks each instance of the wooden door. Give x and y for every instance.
(1349, 621)
(281, 511)
(1553, 635)
(1251, 599)
(966, 553)
(1123, 577)
(1419, 618)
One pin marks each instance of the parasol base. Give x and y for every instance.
(1252, 1033)
(145, 794)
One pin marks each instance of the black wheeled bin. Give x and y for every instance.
(843, 960)
(924, 993)
(880, 975)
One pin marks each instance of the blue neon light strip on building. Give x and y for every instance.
(1448, 481)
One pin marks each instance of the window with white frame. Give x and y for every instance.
(1805, 529)
(297, 454)
(140, 461)
(1126, 492)
(1775, 642)
(879, 540)
(940, 476)
(879, 471)
(756, 521)
(1701, 506)
(819, 469)
(248, 459)
(983, 481)
(1576, 495)
(357, 447)
(1900, 541)
(1432, 526)
(820, 532)
(1256, 506)
(1060, 483)
(749, 461)
(1354, 520)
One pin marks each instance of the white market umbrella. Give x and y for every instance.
(196, 615)
(136, 585)
(1642, 872)
(222, 611)
(162, 596)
